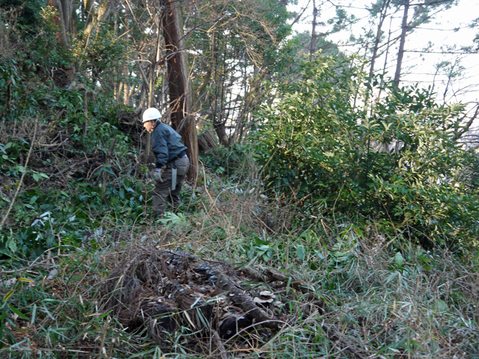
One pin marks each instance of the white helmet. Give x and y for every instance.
(151, 114)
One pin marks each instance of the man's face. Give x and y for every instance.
(149, 125)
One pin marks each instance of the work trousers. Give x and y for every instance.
(163, 192)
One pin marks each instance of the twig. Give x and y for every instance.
(219, 345)
(301, 14)
(259, 219)
(102, 345)
(465, 128)
(23, 175)
(73, 165)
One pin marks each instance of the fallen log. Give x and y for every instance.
(195, 310)
(232, 323)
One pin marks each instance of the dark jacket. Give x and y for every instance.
(166, 144)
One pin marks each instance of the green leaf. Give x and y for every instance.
(17, 312)
(8, 295)
(441, 305)
(399, 259)
(301, 252)
(26, 280)
(12, 245)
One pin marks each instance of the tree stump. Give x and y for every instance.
(206, 142)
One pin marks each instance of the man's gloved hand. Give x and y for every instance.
(157, 174)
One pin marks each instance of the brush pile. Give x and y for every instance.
(165, 294)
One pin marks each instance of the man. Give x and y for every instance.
(172, 164)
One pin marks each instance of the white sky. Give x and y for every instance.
(417, 68)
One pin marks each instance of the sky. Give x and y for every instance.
(450, 28)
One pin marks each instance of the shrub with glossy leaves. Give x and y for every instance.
(398, 160)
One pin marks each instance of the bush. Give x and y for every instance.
(234, 162)
(398, 161)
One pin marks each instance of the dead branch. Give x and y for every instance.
(72, 166)
(242, 299)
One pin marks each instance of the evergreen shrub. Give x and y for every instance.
(397, 160)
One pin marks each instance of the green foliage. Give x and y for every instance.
(396, 163)
(27, 11)
(399, 161)
(45, 49)
(40, 54)
(61, 219)
(44, 217)
(234, 162)
(9, 74)
(97, 53)
(10, 82)
(40, 314)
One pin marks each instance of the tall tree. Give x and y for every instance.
(178, 81)
(314, 35)
(234, 47)
(402, 41)
(424, 11)
(380, 8)
(64, 19)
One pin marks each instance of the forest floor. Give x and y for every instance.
(240, 279)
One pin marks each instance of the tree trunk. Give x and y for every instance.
(251, 98)
(377, 40)
(220, 129)
(60, 21)
(64, 76)
(314, 36)
(401, 44)
(151, 89)
(206, 142)
(178, 83)
(95, 18)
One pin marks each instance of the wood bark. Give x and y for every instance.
(64, 21)
(60, 21)
(245, 302)
(97, 17)
(314, 36)
(397, 75)
(206, 141)
(178, 82)
(382, 17)
(220, 129)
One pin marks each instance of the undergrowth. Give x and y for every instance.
(75, 202)
(382, 298)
